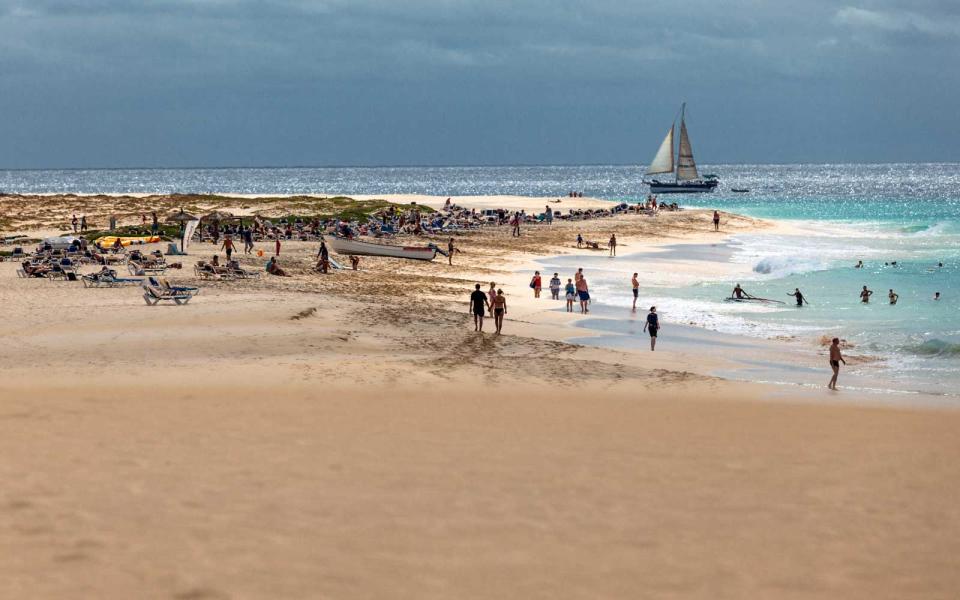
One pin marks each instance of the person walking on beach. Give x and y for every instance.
(555, 286)
(865, 295)
(578, 275)
(579, 240)
(583, 291)
(278, 246)
(248, 240)
(83, 223)
(74, 222)
(653, 326)
(636, 290)
(536, 284)
(613, 244)
(227, 246)
(479, 306)
(155, 226)
(716, 220)
(491, 296)
(516, 225)
(499, 310)
(549, 216)
(800, 299)
(835, 359)
(570, 294)
(893, 296)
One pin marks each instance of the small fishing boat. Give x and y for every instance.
(351, 247)
(686, 179)
(739, 190)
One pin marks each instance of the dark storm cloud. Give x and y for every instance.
(443, 81)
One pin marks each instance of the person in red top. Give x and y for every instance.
(535, 283)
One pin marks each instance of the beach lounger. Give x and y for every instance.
(109, 280)
(240, 273)
(154, 292)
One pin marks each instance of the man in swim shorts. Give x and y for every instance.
(479, 305)
(583, 292)
(835, 359)
(653, 326)
(865, 295)
(636, 290)
(893, 296)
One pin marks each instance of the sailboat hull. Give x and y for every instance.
(682, 187)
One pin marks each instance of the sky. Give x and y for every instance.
(205, 83)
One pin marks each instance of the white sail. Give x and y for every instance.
(663, 161)
(188, 228)
(686, 167)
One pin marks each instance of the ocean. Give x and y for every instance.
(880, 214)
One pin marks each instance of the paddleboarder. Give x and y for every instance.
(800, 299)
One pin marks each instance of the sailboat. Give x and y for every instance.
(686, 179)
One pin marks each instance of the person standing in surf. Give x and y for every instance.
(893, 297)
(613, 244)
(865, 295)
(583, 291)
(835, 359)
(800, 299)
(653, 326)
(570, 294)
(636, 290)
(716, 220)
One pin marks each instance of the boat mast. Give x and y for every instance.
(676, 170)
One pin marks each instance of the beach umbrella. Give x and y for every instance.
(218, 215)
(181, 217)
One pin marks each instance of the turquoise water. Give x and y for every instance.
(880, 214)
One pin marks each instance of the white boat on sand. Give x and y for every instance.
(352, 247)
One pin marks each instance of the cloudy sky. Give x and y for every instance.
(396, 82)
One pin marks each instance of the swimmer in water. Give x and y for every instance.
(859, 265)
(865, 295)
(739, 293)
(893, 296)
(936, 296)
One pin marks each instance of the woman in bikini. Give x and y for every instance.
(499, 309)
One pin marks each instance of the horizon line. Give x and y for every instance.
(455, 166)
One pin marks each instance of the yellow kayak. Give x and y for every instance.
(110, 240)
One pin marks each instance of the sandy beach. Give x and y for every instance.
(350, 436)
